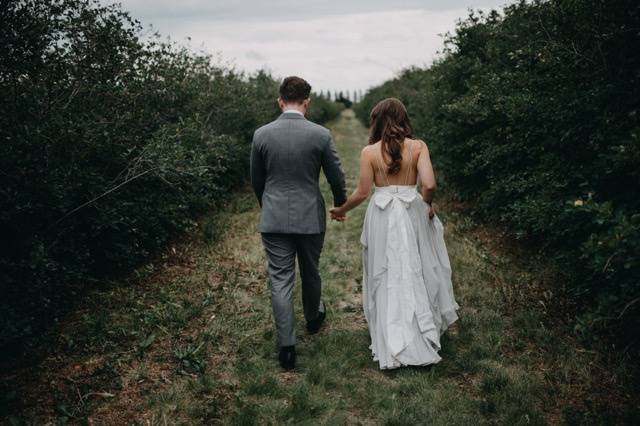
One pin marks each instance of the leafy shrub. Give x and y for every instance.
(532, 115)
(322, 109)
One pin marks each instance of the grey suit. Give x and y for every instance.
(286, 157)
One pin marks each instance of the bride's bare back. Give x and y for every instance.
(408, 173)
(415, 163)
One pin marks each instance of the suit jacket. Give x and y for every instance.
(286, 157)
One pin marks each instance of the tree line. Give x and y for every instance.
(346, 96)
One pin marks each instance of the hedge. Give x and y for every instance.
(531, 115)
(111, 145)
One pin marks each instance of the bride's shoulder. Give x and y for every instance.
(369, 149)
(368, 153)
(419, 144)
(416, 141)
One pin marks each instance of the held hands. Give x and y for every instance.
(338, 214)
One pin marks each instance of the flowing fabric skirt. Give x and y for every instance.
(408, 297)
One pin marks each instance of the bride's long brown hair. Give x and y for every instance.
(390, 124)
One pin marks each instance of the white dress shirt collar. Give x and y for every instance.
(293, 110)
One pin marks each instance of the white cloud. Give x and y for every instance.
(360, 45)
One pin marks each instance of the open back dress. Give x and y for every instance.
(408, 296)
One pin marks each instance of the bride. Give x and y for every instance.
(407, 294)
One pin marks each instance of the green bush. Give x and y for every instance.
(532, 115)
(322, 109)
(110, 146)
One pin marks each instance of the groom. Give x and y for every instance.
(286, 157)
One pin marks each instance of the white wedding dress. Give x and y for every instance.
(407, 293)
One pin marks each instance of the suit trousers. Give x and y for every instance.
(281, 251)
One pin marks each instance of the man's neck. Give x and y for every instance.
(292, 108)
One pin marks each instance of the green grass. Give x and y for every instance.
(189, 339)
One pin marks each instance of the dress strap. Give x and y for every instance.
(406, 177)
(380, 162)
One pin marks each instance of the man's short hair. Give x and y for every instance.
(294, 89)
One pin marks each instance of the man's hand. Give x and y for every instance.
(337, 214)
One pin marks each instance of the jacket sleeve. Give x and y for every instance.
(257, 170)
(333, 171)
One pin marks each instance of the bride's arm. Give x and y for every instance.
(365, 182)
(426, 175)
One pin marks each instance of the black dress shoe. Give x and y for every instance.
(287, 357)
(313, 326)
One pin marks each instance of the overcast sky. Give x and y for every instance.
(334, 44)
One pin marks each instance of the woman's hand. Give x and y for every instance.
(432, 211)
(338, 213)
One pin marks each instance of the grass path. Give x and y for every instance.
(188, 339)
